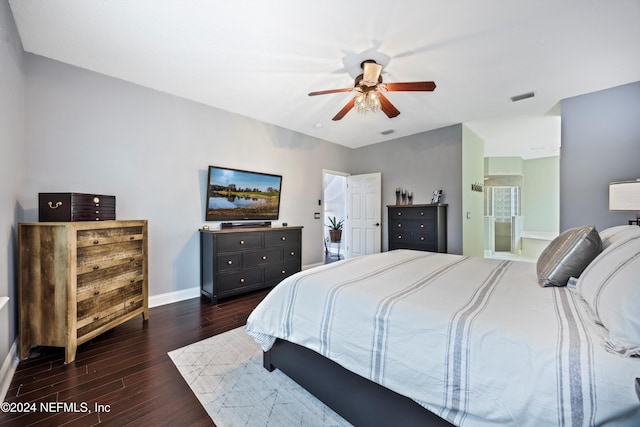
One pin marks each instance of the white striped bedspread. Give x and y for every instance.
(474, 340)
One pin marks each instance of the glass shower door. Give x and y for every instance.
(503, 204)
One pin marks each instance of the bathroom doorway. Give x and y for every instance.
(334, 194)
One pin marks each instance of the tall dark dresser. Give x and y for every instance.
(419, 227)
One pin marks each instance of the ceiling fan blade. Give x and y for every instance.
(345, 109)
(324, 92)
(387, 107)
(410, 87)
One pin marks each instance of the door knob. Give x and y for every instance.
(377, 224)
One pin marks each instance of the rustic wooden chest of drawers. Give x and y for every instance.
(419, 227)
(76, 207)
(237, 260)
(78, 280)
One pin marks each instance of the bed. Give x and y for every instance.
(411, 338)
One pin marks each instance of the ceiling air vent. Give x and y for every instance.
(522, 96)
(387, 132)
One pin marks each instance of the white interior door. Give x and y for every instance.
(364, 214)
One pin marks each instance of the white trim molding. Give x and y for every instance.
(171, 297)
(10, 362)
(8, 369)
(185, 294)
(306, 267)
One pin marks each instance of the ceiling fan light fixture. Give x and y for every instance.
(370, 88)
(371, 72)
(367, 101)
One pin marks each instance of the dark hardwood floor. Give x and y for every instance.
(126, 370)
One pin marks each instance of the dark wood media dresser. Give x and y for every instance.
(418, 227)
(238, 260)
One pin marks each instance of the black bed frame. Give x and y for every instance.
(358, 400)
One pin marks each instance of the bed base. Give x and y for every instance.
(358, 400)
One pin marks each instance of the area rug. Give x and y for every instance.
(225, 372)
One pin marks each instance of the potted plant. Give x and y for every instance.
(335, 229)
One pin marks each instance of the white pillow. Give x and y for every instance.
(611, 287)
(618, 233)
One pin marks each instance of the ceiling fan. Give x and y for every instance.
(370, 87)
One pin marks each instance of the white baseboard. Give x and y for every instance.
(170, 297)
(8, 369)
(306, 267)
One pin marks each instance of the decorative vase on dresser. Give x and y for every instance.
(79, 279)
(419, 227)
(238, 260)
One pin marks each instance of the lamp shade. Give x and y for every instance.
(624, 196)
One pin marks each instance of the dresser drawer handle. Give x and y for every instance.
(399, 237)
(131, 259)
(421, 225)
(96, 293)
(132, 281)
(283, 238)
(264, 257)
(421, 213)
(132, 237)
(95, 242)
(399, 225)
(95, 267)
(96, 318)
(399, 213)
(292, 253)
(284, 272)
(131, 302)
(58, 204)
(229, 262)
(242, 280)
(421, 238)
(242, 242)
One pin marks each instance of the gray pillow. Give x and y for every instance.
(568, 255)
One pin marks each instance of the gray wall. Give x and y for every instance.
(600, 144)
(420, 163)
(12, 175)
(91, 133)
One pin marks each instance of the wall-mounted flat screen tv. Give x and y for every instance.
(234, 194)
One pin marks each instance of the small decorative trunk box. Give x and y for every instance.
(64, 207)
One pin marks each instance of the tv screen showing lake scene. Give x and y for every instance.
(237, 194)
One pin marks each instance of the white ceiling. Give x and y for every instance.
(261, 58)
